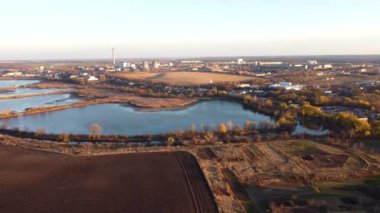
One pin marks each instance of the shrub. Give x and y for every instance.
(170, 141)
(222, 128)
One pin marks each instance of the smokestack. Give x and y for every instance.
(146, 66)
(113, 56)
(156, 65)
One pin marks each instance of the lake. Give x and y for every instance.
(126, 120)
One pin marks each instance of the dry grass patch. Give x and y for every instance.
(186, 78)
(138, 75)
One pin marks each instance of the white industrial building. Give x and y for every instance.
(287, 86)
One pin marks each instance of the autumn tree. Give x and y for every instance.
(268, 103)
(375, 130)
(283, 121)
(310, 111)
(352, 124)
(222, 128)
(320, 100)
(283, 106)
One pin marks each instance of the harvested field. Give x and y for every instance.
(146, 182)
(206, 153)
(288, 173)
(186, 78)
(139, 75)
(325, 160)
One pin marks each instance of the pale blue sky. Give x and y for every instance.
(52, 29)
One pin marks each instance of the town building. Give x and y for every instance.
(287, 86)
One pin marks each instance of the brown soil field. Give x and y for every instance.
(186, 78)
(40, 181)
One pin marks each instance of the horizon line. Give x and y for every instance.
(187, 57)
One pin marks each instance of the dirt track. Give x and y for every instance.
(34, 181)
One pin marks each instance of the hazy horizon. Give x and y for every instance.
(359, 57)
(43, 30)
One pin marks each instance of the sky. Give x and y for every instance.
(88, 29)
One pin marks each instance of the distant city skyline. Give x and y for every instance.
(89, 29)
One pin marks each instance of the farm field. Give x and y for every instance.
(290, 176)
(185, 78)
(49, 182)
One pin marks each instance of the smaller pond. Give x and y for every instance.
(18, 90)
(16, 83)
(21, 104)
(301, 129)
(26, 91)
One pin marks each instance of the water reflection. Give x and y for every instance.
(123, 119)
(21, 104)
(16, 83)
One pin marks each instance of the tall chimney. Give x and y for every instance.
(113, 56)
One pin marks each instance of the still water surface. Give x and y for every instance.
(127, 120)
(16, 83)
(26, 91)
(18, 90)
(21, 104)
(124, 119)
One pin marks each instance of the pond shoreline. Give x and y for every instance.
(134, 103)
(10, 97)
(115, 118)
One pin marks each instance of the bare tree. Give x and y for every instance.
(95, 129)
(64, 137)
(193, 129)
(247, 125)
(40, 131)
(170, 141)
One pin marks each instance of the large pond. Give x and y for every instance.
(124, 119)
(19, 105)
